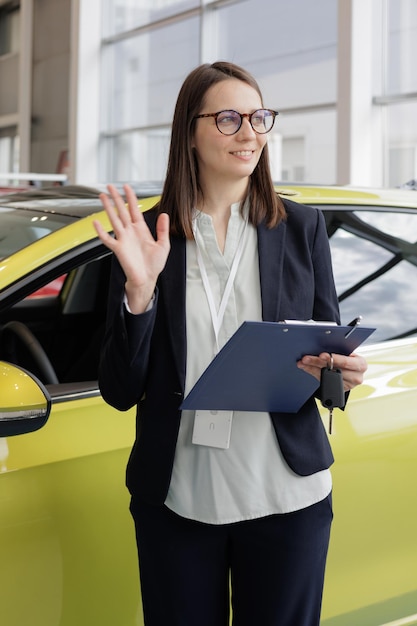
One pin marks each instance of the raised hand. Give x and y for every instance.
(140, 255)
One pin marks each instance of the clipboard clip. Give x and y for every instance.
(354, 324)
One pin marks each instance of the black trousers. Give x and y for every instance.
(273, 566)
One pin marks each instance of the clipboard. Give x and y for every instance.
(256, 370)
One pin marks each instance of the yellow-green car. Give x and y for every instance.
(67, 547)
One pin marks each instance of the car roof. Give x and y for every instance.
(79, 200)
(349, 195)
(75, 201)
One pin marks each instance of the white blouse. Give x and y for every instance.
(250, 479)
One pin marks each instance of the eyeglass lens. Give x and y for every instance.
(229, 122)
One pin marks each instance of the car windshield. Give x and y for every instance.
(28, 216)
(21, 227)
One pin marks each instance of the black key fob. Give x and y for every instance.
(332, 394)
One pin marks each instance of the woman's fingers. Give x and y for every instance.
(104, 236)
(121, 217)
(123, 211)
(162, 231)
(112, 213)
(140, 255)
(132, 202)
(352, 367)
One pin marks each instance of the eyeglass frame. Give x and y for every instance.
(241, 115)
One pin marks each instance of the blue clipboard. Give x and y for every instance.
(256, 370)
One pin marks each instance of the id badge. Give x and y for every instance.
(212, 428)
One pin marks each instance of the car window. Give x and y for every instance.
(354, 259)
(397, 224)
(52, 289)
(374, 256)
(58, 338)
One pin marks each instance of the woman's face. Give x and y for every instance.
(228, 157)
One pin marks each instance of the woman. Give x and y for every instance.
(221, 247)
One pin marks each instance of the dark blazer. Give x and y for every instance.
(143, 357)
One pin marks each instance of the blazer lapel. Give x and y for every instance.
(271, 244)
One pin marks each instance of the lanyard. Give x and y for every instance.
(217, 316)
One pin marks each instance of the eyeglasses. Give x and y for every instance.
(229, 122)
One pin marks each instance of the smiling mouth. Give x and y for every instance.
(243, 153)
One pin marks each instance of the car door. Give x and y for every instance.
(66, 538)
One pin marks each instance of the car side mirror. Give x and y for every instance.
(25, 404)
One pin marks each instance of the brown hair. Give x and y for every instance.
(181, 187)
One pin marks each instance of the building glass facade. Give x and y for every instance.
(147, 52)
(340, 72)
(399, 95)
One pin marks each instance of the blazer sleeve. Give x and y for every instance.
(126, 347)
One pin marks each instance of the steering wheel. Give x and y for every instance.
(35, 349)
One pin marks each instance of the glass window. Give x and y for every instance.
(139, 156)
(143, 76)
(375, 267)
(364, 256)
(295, 65)
(9, 146)
(402, 140)
(308, 146)
(402, 46)
(389, 303)
(9, 28)
(284, 53)
(51, 289)
(22, 227)
(123, 15)
(396, 225)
